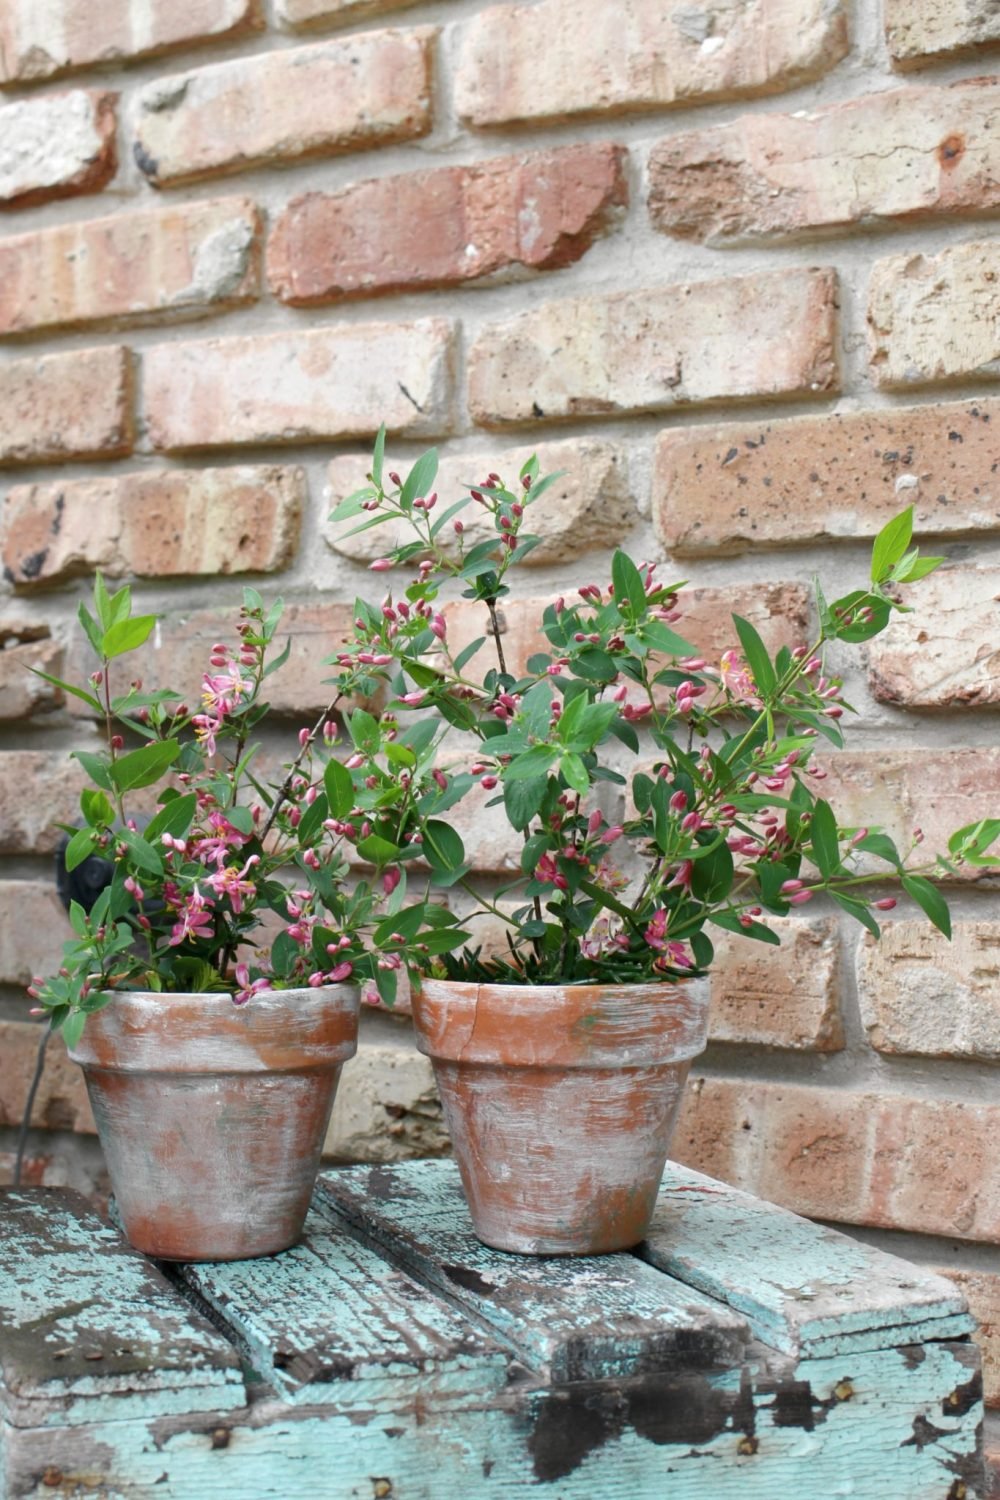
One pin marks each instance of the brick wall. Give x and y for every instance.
(732, 266)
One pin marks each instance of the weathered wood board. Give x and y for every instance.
(391, 1356)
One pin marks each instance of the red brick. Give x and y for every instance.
(67, 406)
(888, 1160)
(178, 655)
(281, 388)
(741, 485)
(153, 524)
(61, 1101)
(941, 656)
(423, 229)
(925, 996)
(566, 58)
(927, 31)
(179, 262)
(992, 1456)
(38, 790)
(21, 692)
(305, 14)
(346, 95)
(787, 997)
(982, 1291)
(42, 40)
(56, 147)
(773, 176)
(932, 319)
(591, 505)
(939, 791)
(33, 928)
(769, 334)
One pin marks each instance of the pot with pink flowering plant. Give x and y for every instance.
(210, 994)
(657, 796)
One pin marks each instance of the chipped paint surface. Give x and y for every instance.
(530, 1077)
(564, 1378)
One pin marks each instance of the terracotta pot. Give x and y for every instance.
(560, 1101)
(212, 1116)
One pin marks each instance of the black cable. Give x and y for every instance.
(22, 1138)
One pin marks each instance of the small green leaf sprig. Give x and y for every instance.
(725, 825)
(203, 848)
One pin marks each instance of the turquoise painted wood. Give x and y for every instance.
(391, 1356)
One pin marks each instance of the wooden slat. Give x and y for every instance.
(803, 1288)
(330, 1318)
(90, 1330)
(570, 1318)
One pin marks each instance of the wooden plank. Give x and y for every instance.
(330, 1320)
(570, 1318)
(878, 1426)
(803, 1288)
(90, 1330)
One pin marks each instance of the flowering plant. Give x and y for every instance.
(204, 847)
(708, 768)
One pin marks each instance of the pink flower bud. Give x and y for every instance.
(459, 527)
(790, 886)
(304, 737)
(339, 972)
(380, 565)
(595, 820)
(678, 801)
(440, 778)
(438, 627)
(354, 761)
(117, 743)
(391, 879)
(612, 834)
(886, 903)
(800, 898)
(488, 783)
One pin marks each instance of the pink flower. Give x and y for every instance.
(341, 971)
(231, 882)
(247, 990)
(195, 919)
(736, 679)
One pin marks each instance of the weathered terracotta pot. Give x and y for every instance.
(560, 1102)
(212, 1116)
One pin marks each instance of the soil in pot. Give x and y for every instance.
(561, 1101)
(212, 1116)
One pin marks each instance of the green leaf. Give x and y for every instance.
(823, 837)
(443, 847)
(143, 853)
(96, 767)
(127, 635)
(930, 901)
(919, 567)
(972, 841)
(420, 478)
(532, 763)
(882, 846)
(890, 545)
(90, 628)
(67, 687)
(339, 786)
(72, 1027)
(78, 919)
(143, 766)
(277, 662)
(574, 773)
(102, 603)
(80, 847)
(468, 652)
(661, 638)
(364, 731)
(175, 818)
(378, 456)
(756, 656)
(96, 808)
(377, 850)
(523, 800)
(385, 983)
(757, 930)
(858, 910)
(630, 591)
(860, 630)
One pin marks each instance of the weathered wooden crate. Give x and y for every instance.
(743, 1352)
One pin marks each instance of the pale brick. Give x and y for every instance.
(67, 406)
(61, 1102)
(765, 335)
(741, 485)
(938, 791)
(177, 655)
(888, 1160)
(33, 928)
(38, 790)
(991, 1453)
(774, 176)
(179, 262)
(981, 1290)
(923, 995)
(306, 14)
(42, 38)
(336, 382)
(22, 693)
(951, 662)
(365, 91)
(591, 505)
(422, 229)
(387, 1107)
(936, 318)
(927, 31)
(153, 524)
(565, 58)
(786, 997)
(56, 147)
